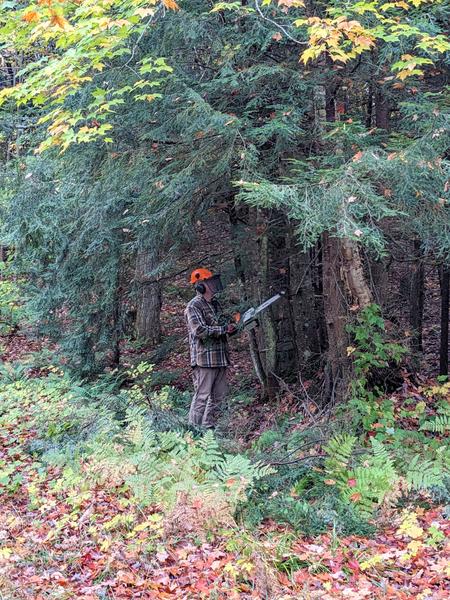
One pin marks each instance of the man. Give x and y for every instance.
(208, 345)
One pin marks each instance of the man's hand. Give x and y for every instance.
(231, 328)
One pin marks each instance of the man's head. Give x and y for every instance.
(206, 283)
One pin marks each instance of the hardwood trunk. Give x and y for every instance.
(148, 309)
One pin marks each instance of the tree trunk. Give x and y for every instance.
(239, 242)
(116, 324)
(416, 298)
(279, 279)
(261, 257)
(382, 109)
(267, 334)
(148, 310)
(369, 109)
(354, 274)
(335, 306)
(305, 316)
(445, 307)
(343, 278)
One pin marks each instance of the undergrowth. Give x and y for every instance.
(129, 433)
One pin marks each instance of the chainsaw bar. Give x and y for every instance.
(252, 313)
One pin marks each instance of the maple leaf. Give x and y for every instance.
(364, 42)
(357, 156)
(171, 4)
(353, 565)
(31, 16)
(59, 20)
(126, 577)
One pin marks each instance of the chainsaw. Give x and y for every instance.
(249, 320)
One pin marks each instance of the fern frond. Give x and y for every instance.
(339, 450)
(424, 473)
(440, 424)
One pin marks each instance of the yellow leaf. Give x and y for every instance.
(312, 52)
(410, 526)
(371, 562)
(145, 12)
(413, 547)
(289, 3)
(105, 544)
(59, 20)
(5, 553)
(142, 526)
(425, 595)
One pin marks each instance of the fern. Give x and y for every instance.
(382, 459)
(365, 484)
(440, 424)
(424, 473)
(210, 454)
(239, 466)
(339, 451)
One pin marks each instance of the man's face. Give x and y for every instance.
(214, 285)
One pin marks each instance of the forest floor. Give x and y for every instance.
(99, 544)
(53, 545)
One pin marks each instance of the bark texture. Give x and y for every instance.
(445, 307)
(336, 314)
(148, 309)
(416, 298)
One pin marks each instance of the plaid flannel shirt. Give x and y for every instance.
(208, 343)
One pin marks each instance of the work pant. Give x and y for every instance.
(210, 388)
